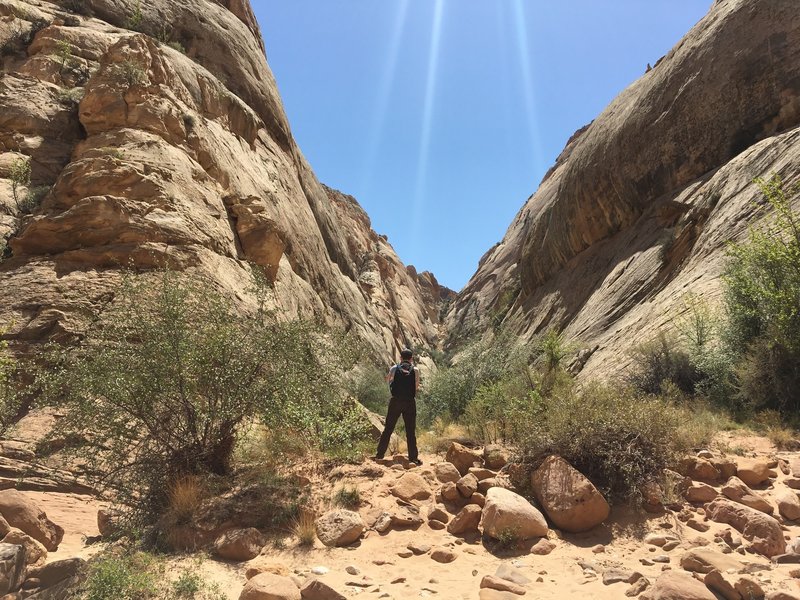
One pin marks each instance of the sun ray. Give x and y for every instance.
(529, 91)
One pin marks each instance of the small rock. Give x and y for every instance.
(268, 586)
(463, 458)
(697, 525)
(239, 545)
(467, 485)
(339, 527)
(352, 570)
(449, 491)
(443, 555)
(446, 472)
(319, 570)
(418, 548)
(637, 587)
(466, 521)
(754, 471)
(598, 549)
(661, 558)
(510, 573)
(405, 554)
(502, 585)
(700, 492)
(543, 547)
(411, 487)
(671, 545)
(314, 589)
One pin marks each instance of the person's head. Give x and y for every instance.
(406, 354)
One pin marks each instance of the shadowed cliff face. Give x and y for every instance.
(640, 204)
(156, 135)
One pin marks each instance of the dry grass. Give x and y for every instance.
(783, 437)
(347, 496)
(304, 528)
(185, 497)
(438, 439)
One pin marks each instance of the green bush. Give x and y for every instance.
(615, 437)
(20, 176)
(762, 299)
(499, 411)
(163, 383)
(371, 390)
(663, 361)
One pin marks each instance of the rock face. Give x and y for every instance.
(569, 499)
(144, 155)
(21, 512)
(641, 203)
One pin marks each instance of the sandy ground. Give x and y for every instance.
(573, 570)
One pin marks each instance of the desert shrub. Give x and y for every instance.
(20, 176)
(129, 73)
(165, 380)
(33, 198)
(347, 496)
(762, 300)
(499, 410)
(304, 527)
(370, 388)
(614, 436)
(16, 389)
(662, 361)
(135, 20)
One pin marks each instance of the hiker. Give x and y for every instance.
(403, 381)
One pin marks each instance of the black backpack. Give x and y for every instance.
(404, 382)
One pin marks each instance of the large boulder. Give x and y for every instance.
(446, 472)
(339, 527)
(12, 567)
(788, 504)
(462, 458)
(698, 468)
(738, 491)
(677, 585)
(569, 499)
(23, 513)
(267, 586)
(239, 544)
(506, 511)
(762, 531)
(754, 471)
(314, 589)
(700, 492)
(411, 486)
(35, 552)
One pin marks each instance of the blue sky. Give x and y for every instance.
(442, 116)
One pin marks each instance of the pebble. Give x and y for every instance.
(671, 545)
(399, 580)
(405, 554)
(352, 570)
(599, 549)
(319, 570)
(661, 558)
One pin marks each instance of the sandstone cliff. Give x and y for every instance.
(638, 208)
(155, 133)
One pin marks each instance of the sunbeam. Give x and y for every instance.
(526, 66)
(384, 94)
(427, 121)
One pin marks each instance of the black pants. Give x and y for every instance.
(408, 409)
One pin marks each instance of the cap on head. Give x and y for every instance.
(406, 353)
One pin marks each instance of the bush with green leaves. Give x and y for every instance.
(20, 176)
(616, 437)
(369, 387)
(500, 410)
(14, 398)
(762, 301)
(166, 379)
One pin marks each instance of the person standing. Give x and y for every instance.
(403, 381)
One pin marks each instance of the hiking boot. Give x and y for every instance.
(417, 462)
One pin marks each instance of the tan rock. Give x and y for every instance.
(443, 555)
(314, 589)
(57, 571)
(700, 492)
(543, 547)
(466, 521)
(411, 486)
(502, 585)
(490, 594)
(478, 499)
(754, 471)
(506, 511)
(239, 544)
(569, 499)
(35, 552)
(705, 560)
(722, 584)
(446, 472)
(495, 457)
(761, 530)
(267, 586)
(463, 458)
(677, 585)
(511, 573)
(256, 567)
(749, 588)
(467, 485)
(482, 473)
(738, 491)
(449, 491)
(339, 527)
(21, 512)
(788, 503)
(700, 469)
(438, 513)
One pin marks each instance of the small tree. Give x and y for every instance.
(762, 298)
(20, 178)
(172, 370)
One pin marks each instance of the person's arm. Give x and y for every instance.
(416, 380)
(391, 374)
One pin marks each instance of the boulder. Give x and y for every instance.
(239, 545)
(35, 552)
(467, 485)
(677, 585)
(108, 521)
(503, 585)
(738, 491)
(438, 513)
(511, 573)
(705, 560)
(754, 471)
(57, 571)
(569, 499)
(478, 499)
(411, 486)
(484, 485)
(449, 492)
(782, 596)
(495, 457)
(21, 512)
(788, 504)
(749, 588)
(446, 472)
(466, 521)
(507, 511)
(762, 531)
(339, 527)
(267, 586)
(700, 492)
(482, 473)
(725, 466)
(462, 458)
(12, 567)
(722, 584)
(699, 468)
(314, 589)
(443, 555)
